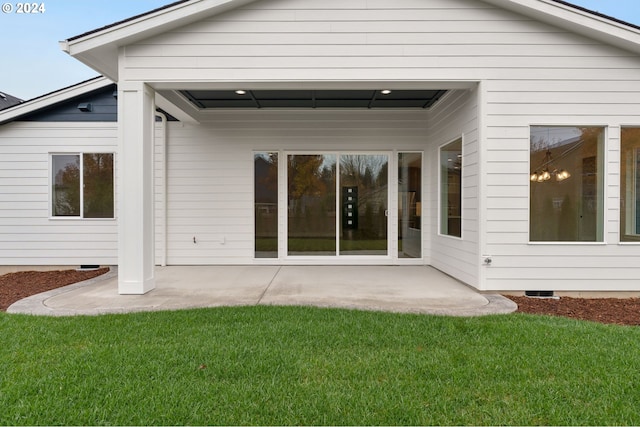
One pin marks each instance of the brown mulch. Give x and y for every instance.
(16, 286)
(625, 311)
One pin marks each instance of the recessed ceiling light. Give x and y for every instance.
(385, 92)
(241, 92)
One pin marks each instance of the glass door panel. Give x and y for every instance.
(363, 204)
(266, 204)
(409, 205)
(311, 204)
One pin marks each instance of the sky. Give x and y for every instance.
(33, 63)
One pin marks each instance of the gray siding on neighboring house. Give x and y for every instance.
(104, 108)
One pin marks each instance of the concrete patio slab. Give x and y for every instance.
(413, 289)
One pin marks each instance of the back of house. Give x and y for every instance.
(496, 140)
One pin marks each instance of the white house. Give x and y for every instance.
(496, 140)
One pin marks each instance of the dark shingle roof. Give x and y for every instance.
(7, 100)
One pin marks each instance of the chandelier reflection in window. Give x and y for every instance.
(546, 171)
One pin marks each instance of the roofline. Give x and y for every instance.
(44, 101)
(124, 21)
(99, 49)
(586, 22)
(596, 13)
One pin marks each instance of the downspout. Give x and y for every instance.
(165, 228)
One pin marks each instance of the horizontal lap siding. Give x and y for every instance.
(210, 170)
(531, 73)
(365, 40)
(27, 234)
(455, 117)
(513, 105)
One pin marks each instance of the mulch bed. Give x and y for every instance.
(617, 311)
(16, 286)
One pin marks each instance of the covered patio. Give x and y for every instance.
(418, 289)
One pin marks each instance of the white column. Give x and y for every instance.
(135, 188)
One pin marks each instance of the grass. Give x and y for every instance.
(291, 365)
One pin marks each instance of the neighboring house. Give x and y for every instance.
(7, 100)
(496, 140)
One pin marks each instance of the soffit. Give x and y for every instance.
(365, 99)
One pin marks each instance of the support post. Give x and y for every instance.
(136, 251)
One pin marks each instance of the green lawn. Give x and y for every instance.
(290, 365)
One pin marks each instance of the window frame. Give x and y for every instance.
(624, 237)
(461, 139)
(81, 216)
(256, 252)
(603, 151)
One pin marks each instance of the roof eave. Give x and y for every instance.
(575, 19)
(99, 49)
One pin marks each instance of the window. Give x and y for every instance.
(91, 172)
(451, 189)
(337, 204)
(566, 188)
(630, 186)
(266, 204)
(409, 205)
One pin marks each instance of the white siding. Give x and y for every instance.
(400, 40)
(511, 108)
(28, 236)
(530, 73)
(210, 170)
(456, 117)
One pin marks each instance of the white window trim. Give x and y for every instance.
(50, 186)
(462, 190)
(634, 190)
(605, 182)
(337, 258)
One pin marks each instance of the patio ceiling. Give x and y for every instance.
(365, 99)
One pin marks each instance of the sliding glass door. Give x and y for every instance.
(337, 204)
(364, 204)
(311, 196)
(321, 205)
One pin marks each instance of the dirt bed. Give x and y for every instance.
(604, 310)
(16, 286)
